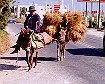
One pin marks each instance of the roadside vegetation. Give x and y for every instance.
(4, 41)
(5, 12)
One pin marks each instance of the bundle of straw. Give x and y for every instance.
(52, 19)
(51, 30)
(77, 32)
(73, 18)
(50, 23)
(76, 25)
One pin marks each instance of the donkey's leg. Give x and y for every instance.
(31, 57)
(61, 51)
(64, 51)
(58, 52)
(27, 59)
(36, 60)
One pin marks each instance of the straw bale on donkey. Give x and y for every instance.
(51, 24)
(76, 26)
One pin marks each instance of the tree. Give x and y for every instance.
(4, 12)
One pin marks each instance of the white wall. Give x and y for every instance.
(39, 9)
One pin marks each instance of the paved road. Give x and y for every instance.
(84, 63)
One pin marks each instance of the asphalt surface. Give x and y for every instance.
(84, 63)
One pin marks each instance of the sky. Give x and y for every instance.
(76, 5)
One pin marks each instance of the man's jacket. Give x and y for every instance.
(33, 22)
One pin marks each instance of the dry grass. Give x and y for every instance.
(52, 19)
(76, 25)
(4, 41)
(73, 18)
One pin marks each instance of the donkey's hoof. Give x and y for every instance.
(16, 61)
(29, 70)
(58, 58)
(61, 58)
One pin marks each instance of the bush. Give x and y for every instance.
(4, 17)
(3, 21)
(4, 41)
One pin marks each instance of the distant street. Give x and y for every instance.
(84, 63)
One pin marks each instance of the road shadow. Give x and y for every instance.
(14, 58)
(47, 59)
(7, 67)
(87, 52)
(24, 58)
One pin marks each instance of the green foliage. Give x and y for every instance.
(4, 13)
(23, 10)
(3, 3)
(3, 21)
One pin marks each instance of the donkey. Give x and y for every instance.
(62, 40)
(31, 45)
(27, 46)
(60, 35)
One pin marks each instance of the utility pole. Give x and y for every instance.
(62, 3)
(72, 5)
(99, 15)
(86, 9)
(86, 13)
(91, 9)
(81, 7)
(46, 5)
(92, 12)
(62, 6)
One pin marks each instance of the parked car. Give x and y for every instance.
(11, 20)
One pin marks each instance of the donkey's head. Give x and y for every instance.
(26, 38)
(62, 34)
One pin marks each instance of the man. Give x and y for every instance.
(33, 22)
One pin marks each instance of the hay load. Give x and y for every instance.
(52, 19)
(75, 25)
(50, 23)
(73, 18)
(77, 32)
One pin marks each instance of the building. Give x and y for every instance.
(39, 9)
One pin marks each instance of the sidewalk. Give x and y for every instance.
(95, 33)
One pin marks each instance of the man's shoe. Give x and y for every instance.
(15, 51)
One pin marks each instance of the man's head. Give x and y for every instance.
(32, 10)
